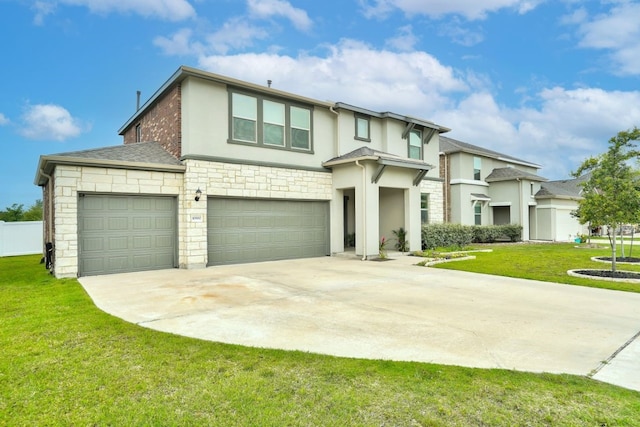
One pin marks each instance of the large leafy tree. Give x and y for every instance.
(610, 193)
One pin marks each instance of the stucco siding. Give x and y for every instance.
(206, 130)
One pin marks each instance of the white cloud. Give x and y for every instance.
(42, 9)
(563, 129)
(49, 122)
(408, 82)
(470, 9)
(617, 32)
(460, 34)
(170, 10)
(3, 120)
(405, 41)
(269, 8)
(179, 43)
(236, 33)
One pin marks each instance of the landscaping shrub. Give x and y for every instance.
(493, 233)
(446, 235)
(457, 235)
(513, 232)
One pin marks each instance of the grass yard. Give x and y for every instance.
(548, 262)
(64, 362)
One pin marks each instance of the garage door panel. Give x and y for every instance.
(249, 230)
(117, 243)
(126, 233)
(118, 204)
(117, 224)
(141, 242)
(143, 223)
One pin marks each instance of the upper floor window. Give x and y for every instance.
(415, 144)
(362, 128)
(269, 123)
(477, 168)
(138, 132)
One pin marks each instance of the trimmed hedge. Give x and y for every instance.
(457, 235)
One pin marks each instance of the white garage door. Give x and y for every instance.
(118, 234)
(251, 230)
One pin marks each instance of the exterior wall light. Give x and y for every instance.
(198, 194)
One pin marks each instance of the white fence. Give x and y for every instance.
(20, 238)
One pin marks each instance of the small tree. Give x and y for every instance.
(610, 193)
(16, 212)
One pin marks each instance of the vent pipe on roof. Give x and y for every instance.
(137, 100)
(269, 83)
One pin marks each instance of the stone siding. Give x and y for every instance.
(235, 180)
(71, 180)
(161, 123)
(436, 200)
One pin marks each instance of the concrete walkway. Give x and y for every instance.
(389, 310)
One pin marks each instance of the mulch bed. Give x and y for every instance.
(610, 274)
(620, 259)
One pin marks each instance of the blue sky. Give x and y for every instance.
(547, 81)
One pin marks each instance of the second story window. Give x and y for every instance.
(138, 132)
(300, 128)
(273, 123)
(269, 123)
(477, 168)
(245, 118)
(415, 144)
(362, 128)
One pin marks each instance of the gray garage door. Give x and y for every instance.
(118, 234)
(250, 230)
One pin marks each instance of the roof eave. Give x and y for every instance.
(46, 165)
(338, 162)
(390, 115)
(183, 72)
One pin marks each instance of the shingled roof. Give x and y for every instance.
(371, 154)
(449, 145)
(508, 174)
(140, 156)
(567, 188)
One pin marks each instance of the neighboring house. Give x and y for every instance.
(484, 187)
(215, 170)
(557, 201)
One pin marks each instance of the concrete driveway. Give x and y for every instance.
(388, 310)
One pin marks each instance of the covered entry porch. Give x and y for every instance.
(375, 193)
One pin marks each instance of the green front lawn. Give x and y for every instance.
(548, 262)
(64, 362)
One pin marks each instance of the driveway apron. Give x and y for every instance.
(388, 310)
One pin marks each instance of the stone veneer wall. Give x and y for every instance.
(236, 180)
(69, 180)
(436, 200)
(445, 174)
(161, 123)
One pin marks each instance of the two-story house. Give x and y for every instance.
(484, 187)
(215, 170)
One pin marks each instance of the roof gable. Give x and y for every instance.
(449, 145)
(510, 174)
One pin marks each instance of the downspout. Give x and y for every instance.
(50, 203)
(521, 209)
(336, 144)
(364, 210)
